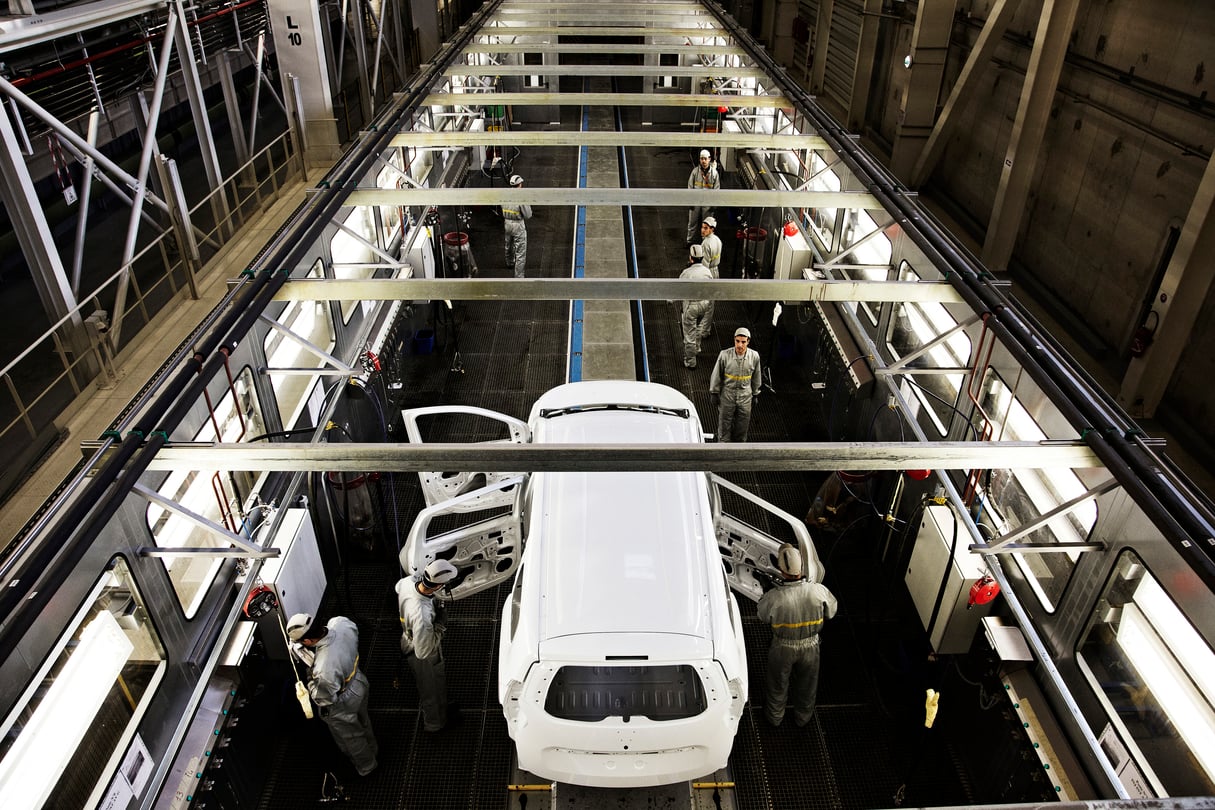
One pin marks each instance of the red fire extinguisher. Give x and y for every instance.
(1145, 334)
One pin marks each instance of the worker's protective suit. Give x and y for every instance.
(736, 380)
(340, 691)
(513, 217)
(704, 176)
(696, 320)
(712, 248)
(422, 628)
(795, 611)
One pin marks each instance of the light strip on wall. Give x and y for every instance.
(1173, 690)
(49, 740)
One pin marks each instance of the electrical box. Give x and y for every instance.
(793, 255)
(953, 628)
(298, 578)
(478, 159)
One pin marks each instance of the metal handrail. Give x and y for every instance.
(99, 360)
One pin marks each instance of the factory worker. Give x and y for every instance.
(795, 610)
(696, 319)
(335, 684)
(733, 387)
(422, 627)
(711, 242)
(704, 176)
(513, 216)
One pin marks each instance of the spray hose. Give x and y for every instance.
(301, 691)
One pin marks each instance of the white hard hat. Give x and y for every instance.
(705, 153)
(789, 560)
(710, 221)
(516, 179)
(696, 251)
(439, 572)
(742, 331)
(297, 626)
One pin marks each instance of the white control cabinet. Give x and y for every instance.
(954, 626)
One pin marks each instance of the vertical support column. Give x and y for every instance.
(963, 89)
(866, 52)
(25, 211)
(232, 105)
(1033, 112)
(425, 16)
(179, 212)
(918, 106)
(358, 32)
(300, 49)
(822, 38)
(141, 179)
(781, 38)
(86, 197)
(1178, 303)
(194, 93)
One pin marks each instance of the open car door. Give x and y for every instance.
(486, 544)
(748, 552)
(450, 423)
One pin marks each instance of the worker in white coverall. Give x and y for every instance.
(696, 320)
(423, 623)
(795, 610)
(711, 242)
(704, 176)
(335, 684)
(734, 386)
(513, 216)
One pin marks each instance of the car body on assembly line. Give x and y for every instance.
(621, 656)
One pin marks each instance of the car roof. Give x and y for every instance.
(623, 552)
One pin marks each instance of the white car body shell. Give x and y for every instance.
(621, 655)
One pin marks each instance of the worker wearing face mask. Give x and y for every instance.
(795, 610)
(422, 626)
(336, 685)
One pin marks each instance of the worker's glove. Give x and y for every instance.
(930, 707)
(715, 399)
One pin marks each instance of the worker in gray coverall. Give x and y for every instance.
(733, 387)
(711, 242)
(513, 216)
(336, 685)
(704, 176)
(795, 610)
(696, 321)
(422, 625)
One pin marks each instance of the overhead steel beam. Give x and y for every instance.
(353, 457)
(605, 48)
(607, 100)
(548, 137)
(22, 32)
(613, 289)
(600, 31)
(606, 70)
(681, 197)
